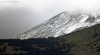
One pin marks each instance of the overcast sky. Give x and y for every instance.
(18, 16)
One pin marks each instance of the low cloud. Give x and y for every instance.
(18, 17)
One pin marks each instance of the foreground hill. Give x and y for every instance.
(82, 42)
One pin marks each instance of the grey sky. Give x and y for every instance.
(22, 15)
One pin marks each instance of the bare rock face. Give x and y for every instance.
(61, 24)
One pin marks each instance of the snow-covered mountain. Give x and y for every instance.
(61, 24)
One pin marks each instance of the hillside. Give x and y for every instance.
(82, 42)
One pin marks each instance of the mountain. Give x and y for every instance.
(61, 24)
(81, 42)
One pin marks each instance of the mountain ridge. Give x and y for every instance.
(61, 24)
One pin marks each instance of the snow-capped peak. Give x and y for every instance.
(61, 24)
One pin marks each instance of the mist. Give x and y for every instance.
(22, 15)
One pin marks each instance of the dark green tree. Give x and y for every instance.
(4, 47)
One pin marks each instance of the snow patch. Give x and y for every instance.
(84, 19)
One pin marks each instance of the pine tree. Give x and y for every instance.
(4, 47)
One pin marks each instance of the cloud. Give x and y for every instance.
(46, 5)
(18, 17)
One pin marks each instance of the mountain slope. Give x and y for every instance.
(84, 42)
(61, 24)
